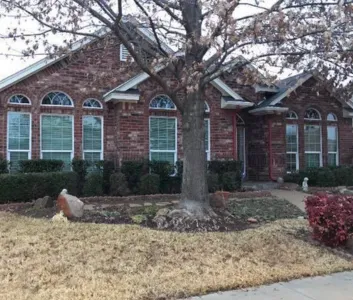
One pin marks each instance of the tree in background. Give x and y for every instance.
(206, 36)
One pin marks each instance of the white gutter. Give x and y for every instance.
(268, 110)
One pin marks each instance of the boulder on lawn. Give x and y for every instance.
(45, 202)
(70, 205)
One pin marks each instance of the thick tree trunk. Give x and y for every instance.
(194, 196)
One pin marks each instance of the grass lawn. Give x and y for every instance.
(79, 261)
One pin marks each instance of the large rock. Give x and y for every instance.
(45, 202)
(70, 205)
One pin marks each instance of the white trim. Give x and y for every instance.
(53, 105)
(122, 97)
(158, 108)
(334, 116)
(259, 88)
(268, 110)
(308, 119)
(123, 55)
(207, 110)
(57, 151)
(292, 111)
(46, 62)
(12, 103)
(87, 107)
(29, 151)
(176, 138)
(102, 137)
(290, 89)
(242, 127)
(291, 152)
(225, 89)
(235, 104)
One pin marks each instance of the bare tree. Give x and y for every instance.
(206, 35)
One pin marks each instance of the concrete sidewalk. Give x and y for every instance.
(334, 287)
(295, 197)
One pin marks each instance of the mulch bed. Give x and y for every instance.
(234, 218)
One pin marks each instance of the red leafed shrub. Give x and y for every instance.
(330, 217)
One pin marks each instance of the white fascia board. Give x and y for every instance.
(225, 89)
(291, 89)
(258, 88)
(46, 62)
(122, 97)
(268, 110)
(235, 104)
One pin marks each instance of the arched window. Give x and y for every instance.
(207, 107)
(92, 103)
(331, 117)
(291, 115)
(57, 99)
(239, 120)
(312, 114)
(19, 99)
(162, 102)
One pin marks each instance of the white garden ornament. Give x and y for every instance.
(305, 185)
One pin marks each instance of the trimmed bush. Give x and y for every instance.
(93, 185)
(4, 166)
(80, 167)
(179, 168)
(325, 177)
(222, 166)
(213, 182)
(164, 169)
(231, 181)
(24, 187)
(330, 217)
(134, 170)
(118, 185)
(40, 166)
(149, 184)
(343, 175)
(107, 168)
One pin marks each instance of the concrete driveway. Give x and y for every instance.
(334, 287)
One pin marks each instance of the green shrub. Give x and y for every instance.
(134, 170)
(23, 187)
(93, 185)
(231, 181)
(343, 175)
(179, 168)
(212, 182)
(80, 167)
(325, 177)
(164, 169)
(222, 166)
(40, 165)
(118, 185)
(107, 168)
(4, 166)
(294, 177)
(149, 184)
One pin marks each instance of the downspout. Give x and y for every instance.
(270, 154)
(235, 136)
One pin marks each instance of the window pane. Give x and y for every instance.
(207, 134)
(64, 156)
(18, 131)
(291, 138)
(312, 137)
(291, 162)
(312, 160)
(15, 158)
(163, 156)
(92, 133)
(332, 159)
(162, 134)
(332, 139)
(57, 133)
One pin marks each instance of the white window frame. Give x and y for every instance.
(208, 150)
(176, 138)
(337, 144)
(122, 49)
(23, 95)
(73, 136)
(8, 151)
(87, 107)
(158, 108)
(291, 152)
(102, 138)
(314, 152)
(52, 105)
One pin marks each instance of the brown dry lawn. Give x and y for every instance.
(41, 260)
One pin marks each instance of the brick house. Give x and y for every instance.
(56, 109)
